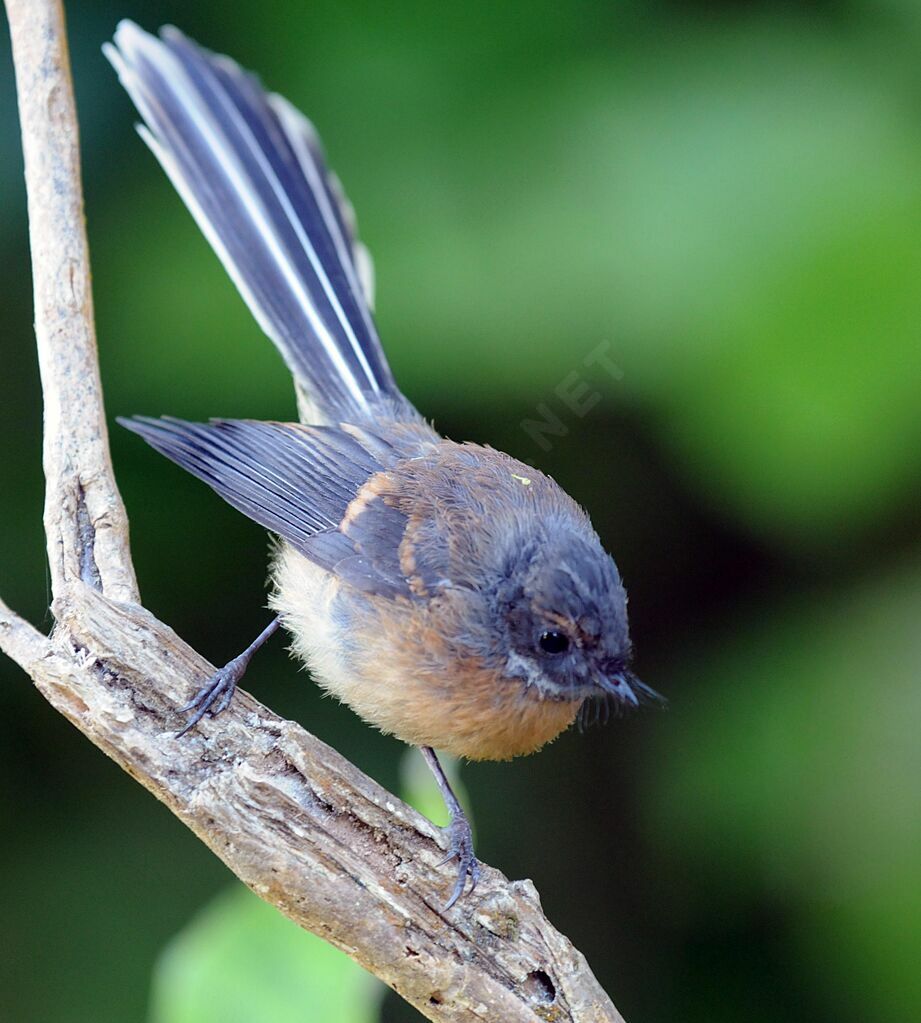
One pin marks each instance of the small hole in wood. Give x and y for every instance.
(539, 988)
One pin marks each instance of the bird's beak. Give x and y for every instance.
(619, 687)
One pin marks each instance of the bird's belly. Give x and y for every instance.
(398, 675)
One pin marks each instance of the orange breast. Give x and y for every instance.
(391, 663)
(420, 690)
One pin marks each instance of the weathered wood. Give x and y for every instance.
(85, 521)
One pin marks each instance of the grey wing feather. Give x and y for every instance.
(351, 563)
(296, 481)
(364, 550)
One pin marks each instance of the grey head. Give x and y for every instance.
(565, 611)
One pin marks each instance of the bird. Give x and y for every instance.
(451, 595)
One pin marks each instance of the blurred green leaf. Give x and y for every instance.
(241, 961)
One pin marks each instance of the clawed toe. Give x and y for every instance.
(468, 867)
(461, 849)
(213, 697)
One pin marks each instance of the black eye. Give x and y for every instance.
(553, 642)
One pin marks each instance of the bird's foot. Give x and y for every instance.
(461, 849)
(215, 695)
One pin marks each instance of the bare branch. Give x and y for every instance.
(306, 830)
(20, 641)
(85, 521)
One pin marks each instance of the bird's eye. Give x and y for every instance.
(553, 642)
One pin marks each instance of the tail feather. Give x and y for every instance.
(250, 169)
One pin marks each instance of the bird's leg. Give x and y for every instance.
(219, 689)
(459, 833)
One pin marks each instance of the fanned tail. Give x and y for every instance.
(250, 170)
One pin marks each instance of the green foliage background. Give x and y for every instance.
(730, 195)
